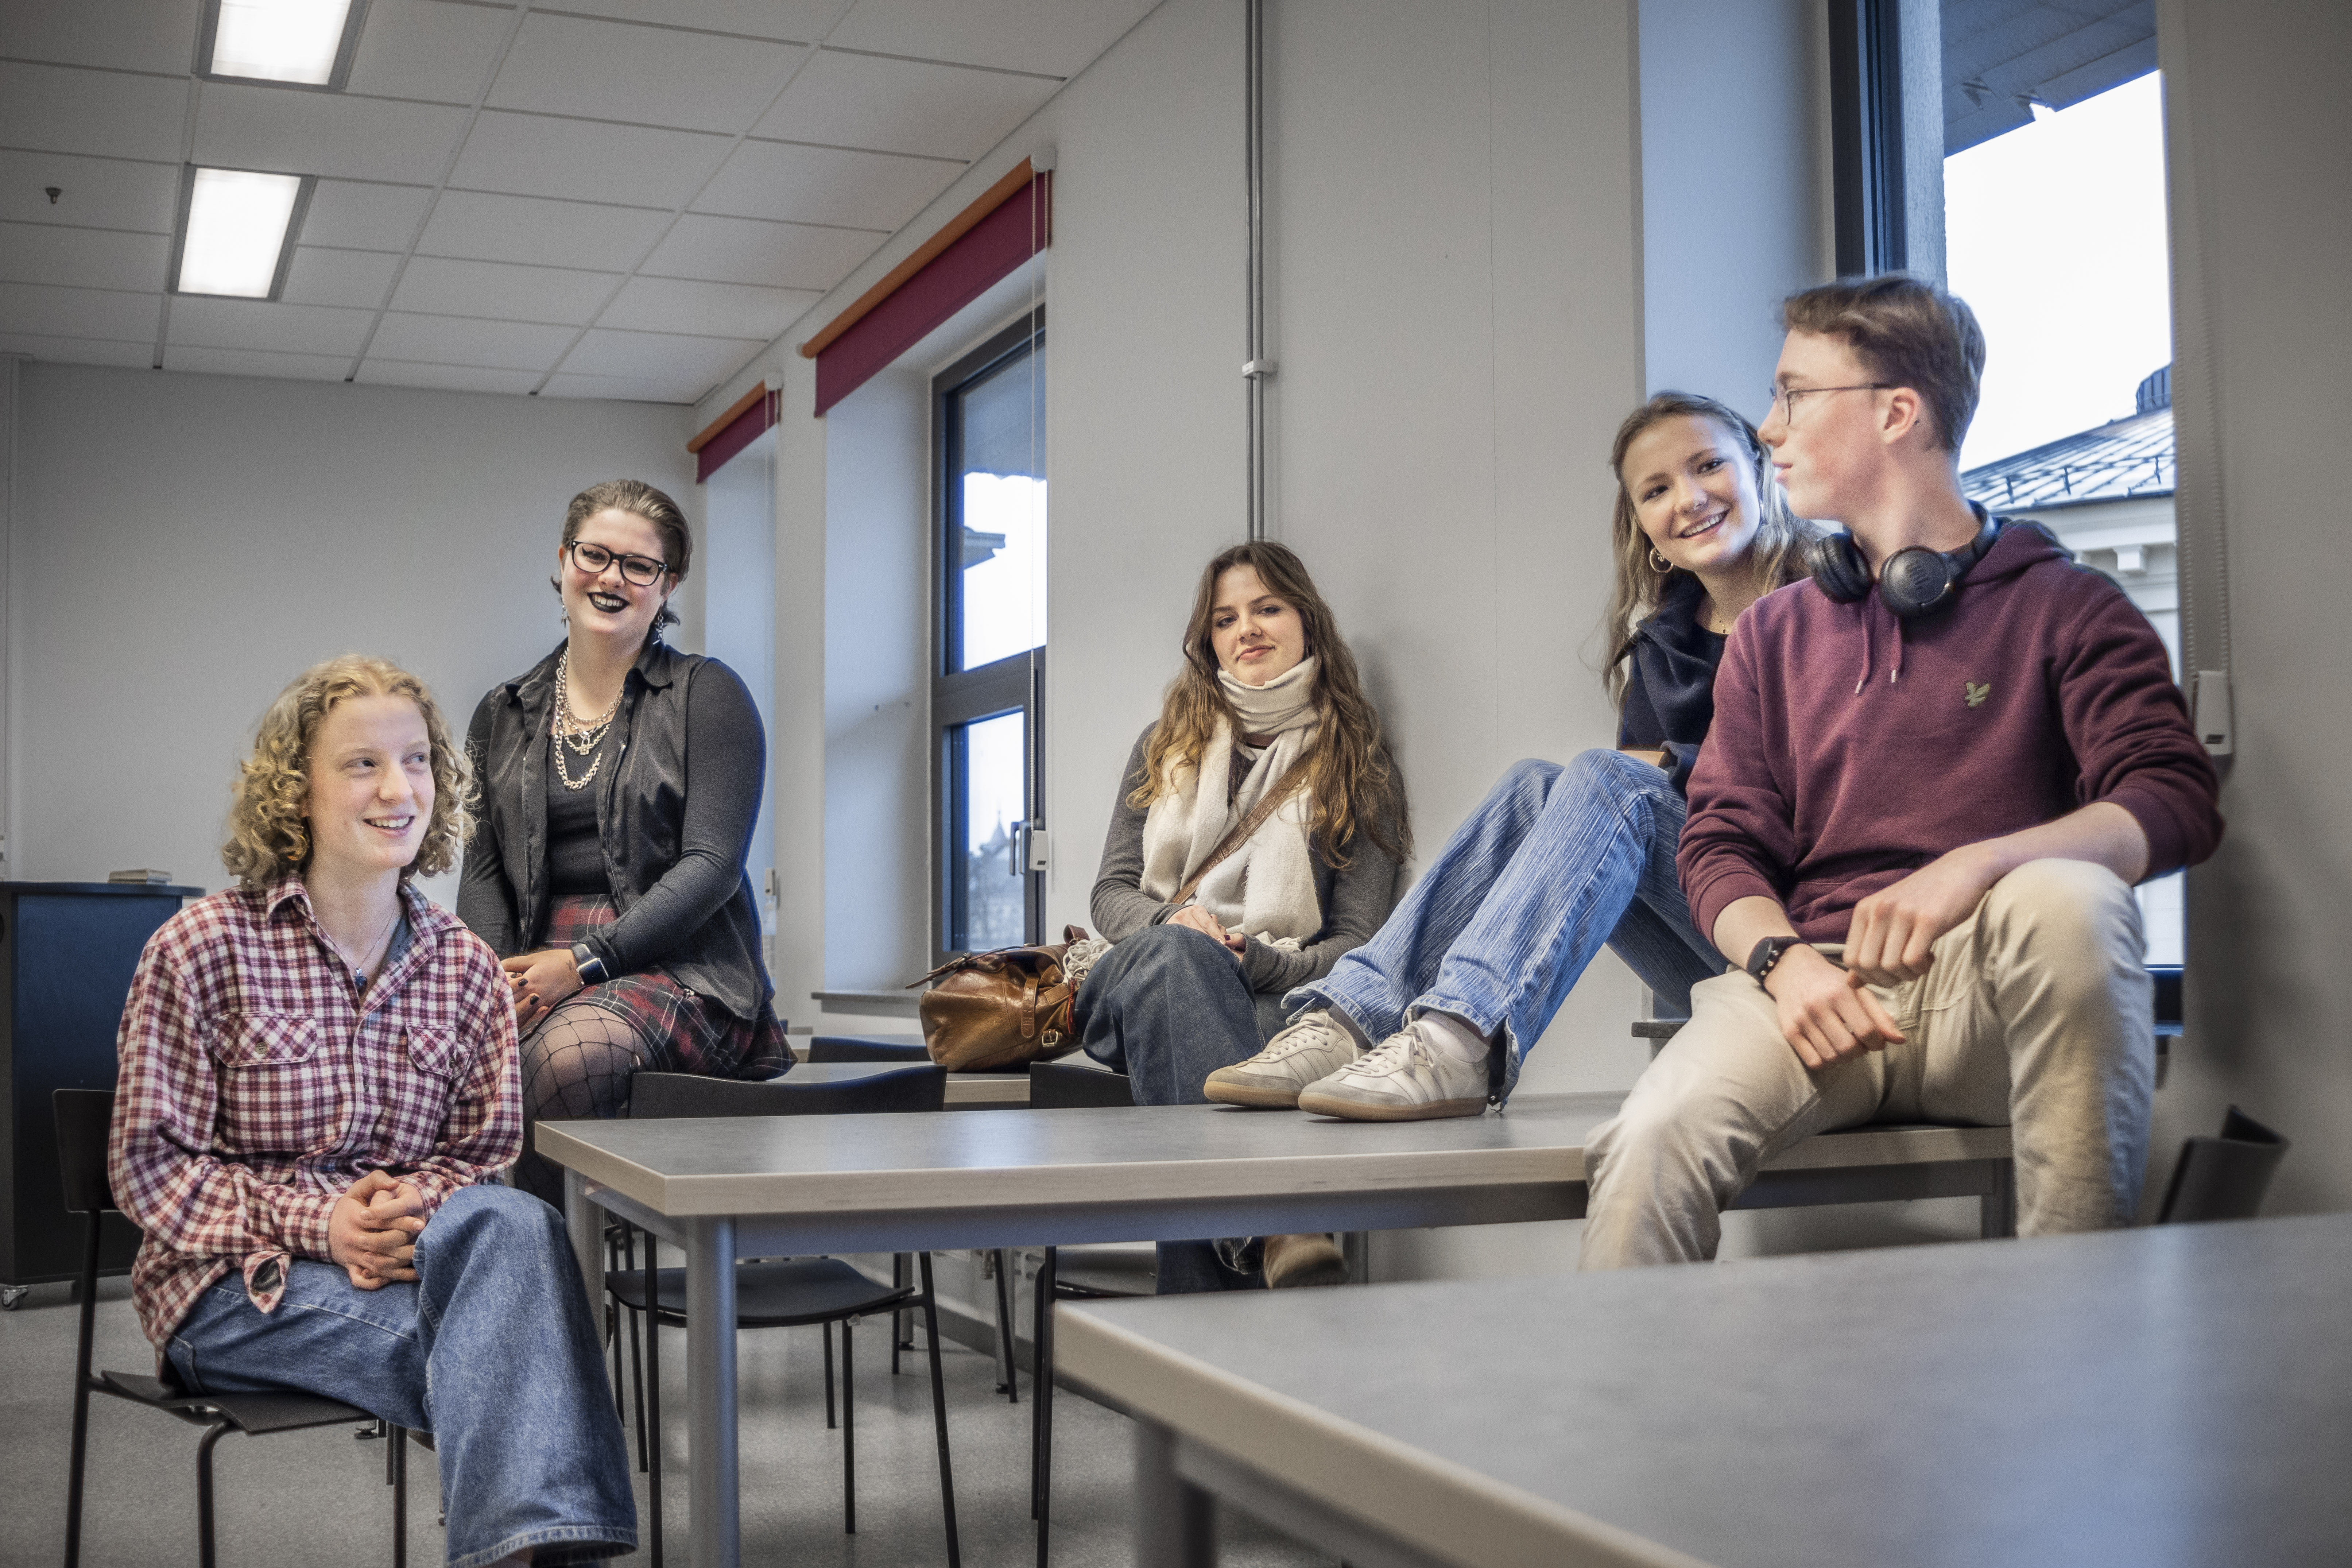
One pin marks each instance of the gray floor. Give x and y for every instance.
(309, 1498)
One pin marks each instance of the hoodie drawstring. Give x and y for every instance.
(1894, 667)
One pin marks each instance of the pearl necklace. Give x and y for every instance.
(568, 731)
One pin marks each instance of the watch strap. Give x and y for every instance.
(591, 967)
(1766, 956)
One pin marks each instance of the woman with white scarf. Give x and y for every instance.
(1256, 838)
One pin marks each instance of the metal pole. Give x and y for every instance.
(1255, 366)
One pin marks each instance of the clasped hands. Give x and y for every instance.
(372, 1230)
(1827, 1013)
(541, 981)
(1207, 924)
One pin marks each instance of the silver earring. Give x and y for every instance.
(1658, 563)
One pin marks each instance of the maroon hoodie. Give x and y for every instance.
(1848, 748)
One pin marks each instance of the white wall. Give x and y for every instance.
(187, 544)
(2255, 114)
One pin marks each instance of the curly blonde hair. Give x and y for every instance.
(268, 838)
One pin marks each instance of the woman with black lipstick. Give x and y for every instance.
(612, 890)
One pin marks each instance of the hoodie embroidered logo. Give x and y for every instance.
(1977, 694)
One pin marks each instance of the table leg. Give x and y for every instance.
(1997, 1210)
(1175, 1521)
(584, 1223)
(716, 1524)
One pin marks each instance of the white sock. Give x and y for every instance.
(1457, 1037)
(1355, 1030)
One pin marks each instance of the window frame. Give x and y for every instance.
(963, 697)
(1868, 199)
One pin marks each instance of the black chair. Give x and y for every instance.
(1054, 1086)
(866, 1049)
(790, 1292)
(2224, 1177)
(82, 1115)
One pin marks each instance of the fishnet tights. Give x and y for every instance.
(576, 1064)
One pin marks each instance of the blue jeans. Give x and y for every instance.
(1554, 862)
(490, 1350)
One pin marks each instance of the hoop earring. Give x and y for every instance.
(1658, 563)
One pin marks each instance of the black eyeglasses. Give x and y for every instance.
(1786, 397)
(642, 570)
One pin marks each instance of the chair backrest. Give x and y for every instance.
(2224, 1177)
(1053, 1086)
(82, 1117)
(654, 1096)
(852, 1048)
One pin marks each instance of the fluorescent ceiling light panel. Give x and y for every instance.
(278, 40)
(236, 232)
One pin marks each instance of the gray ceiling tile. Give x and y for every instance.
(445, 340)
(533, 229)
(586, 160)
(326, 133)
(660, 355)
(1057, 38)
(628, 389)
(78, 312)
(645, 76)
(446, 378)
(502, 290)
(824, 184)
(97, 193)
(750, 250)
(128, 34)
(103, 113)
(354, 217)
(91, 258)
(799, 20)
(201, 322)
(358, 279)
(903, 105)
(709, 310)
(255, 361)
(423, 48)
(80, 350)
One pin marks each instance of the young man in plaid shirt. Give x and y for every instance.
(317, 1081)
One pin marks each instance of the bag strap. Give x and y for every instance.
(1268, 804)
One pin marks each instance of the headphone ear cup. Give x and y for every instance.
(1837, 568)
(1914, 581)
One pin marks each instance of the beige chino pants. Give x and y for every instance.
(2037, 1012)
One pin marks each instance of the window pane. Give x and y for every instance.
(993, 801)
(1001, 488)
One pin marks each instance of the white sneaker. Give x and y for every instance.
(1314, 1047)
(1403, 1079)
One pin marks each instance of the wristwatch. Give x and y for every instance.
(1766, 956)
(591, 967)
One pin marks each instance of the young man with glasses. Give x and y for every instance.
(1934, 772)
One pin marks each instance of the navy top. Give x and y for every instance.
(1670, 688)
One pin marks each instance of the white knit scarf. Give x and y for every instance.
(1266, 887)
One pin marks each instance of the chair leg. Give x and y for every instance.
(1008, 1373)
(212, 1435)
(901, 1321)
(1042, 1399)
(385, 1429)
(613, 1323)
(637, 1363)
(649, 1403)
(940, 1412)
(89, 1313)
(1040, 1291)
(848, 1438)
(826, 1330)
(399, 1446)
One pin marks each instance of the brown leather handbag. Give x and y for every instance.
(995, 1009)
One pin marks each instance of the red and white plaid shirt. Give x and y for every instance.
(259, 1081)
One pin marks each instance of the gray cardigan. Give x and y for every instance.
(1354, 902)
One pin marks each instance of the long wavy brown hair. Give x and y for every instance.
(268, 838)
(1636, 587)
(1354, 782)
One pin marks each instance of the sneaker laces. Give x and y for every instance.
(1397, 1050)
(1318, 1030)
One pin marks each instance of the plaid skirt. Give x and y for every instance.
(683, 1031)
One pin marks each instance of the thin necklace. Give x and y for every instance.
(581, 737)
(360, 965)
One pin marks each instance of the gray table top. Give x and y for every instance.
(2175, 1395)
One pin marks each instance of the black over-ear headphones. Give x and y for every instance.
(1913, 583)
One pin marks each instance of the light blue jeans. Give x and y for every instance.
(1555, 861)
(490, 1350)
